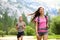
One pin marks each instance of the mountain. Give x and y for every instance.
(32, 5)
(26, 6)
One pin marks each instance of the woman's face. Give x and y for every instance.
(41, 11)
(20, 18)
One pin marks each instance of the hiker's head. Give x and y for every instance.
(39, 12)
(20, 18)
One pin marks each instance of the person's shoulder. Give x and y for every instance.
(46, 16)
(23, 22)
(36, 18)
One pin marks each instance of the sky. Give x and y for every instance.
(50, 3)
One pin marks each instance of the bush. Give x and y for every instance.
(2, 33)
(55, 26)
(29, 31)
(13, 31)
(50, 33)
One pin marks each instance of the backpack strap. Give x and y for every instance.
(38, 22)
(46, 21)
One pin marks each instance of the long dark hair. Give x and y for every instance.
(36, 14)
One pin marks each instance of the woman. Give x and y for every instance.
(20, 26)
(41, 22)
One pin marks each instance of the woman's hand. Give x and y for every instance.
(30, 14)
(17, 27)
(24, 27)
(37, 34)
(47, 26)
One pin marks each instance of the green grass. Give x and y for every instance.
(52, 36)
(7, 35)
(58, 36)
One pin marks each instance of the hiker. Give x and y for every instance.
(20, 26)
(41, 22)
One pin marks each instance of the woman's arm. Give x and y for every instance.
(30, 14)
(24, 26)
(16, 26)
(36, 27)
(47, 22)
(47, 26)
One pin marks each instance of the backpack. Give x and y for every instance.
(46, 24)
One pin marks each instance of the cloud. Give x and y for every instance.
(13, 0)
(51, 3)
(5, 0)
